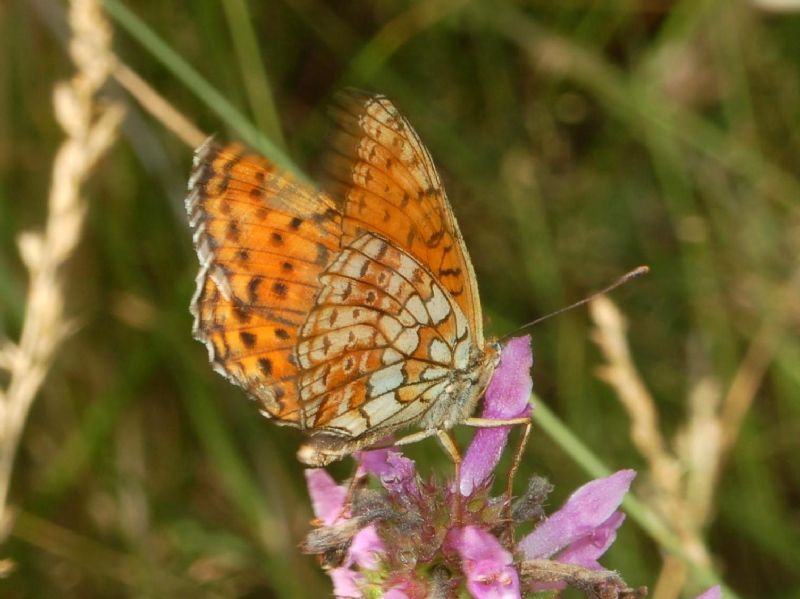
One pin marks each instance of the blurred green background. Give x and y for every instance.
(576, 139)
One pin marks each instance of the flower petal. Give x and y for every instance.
(485, 580)
(366, 547)
(474, 543)
(397, 473)
(488, 567)
(584, 512)
(587, 550)
(507, 396)
(327, 498)
(404, 585)
(714, 592)
(346, 583)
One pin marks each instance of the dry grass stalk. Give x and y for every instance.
(621, 374)
(683, 479)
(746, 381)
(158, 106)
(91, 125)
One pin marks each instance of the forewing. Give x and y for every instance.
(387, 183)
(263, 239)
(379, 345)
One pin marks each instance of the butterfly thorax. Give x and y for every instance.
(465, 389)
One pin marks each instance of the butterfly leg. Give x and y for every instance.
(444, 438)
(512, 473)
(415, 437)
(450, 447)
(351, 492)
(493, 422)
(449, 444)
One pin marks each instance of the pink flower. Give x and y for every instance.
(396, 472)
(327, 499)
(366, 548)
(714, 592)
(346, 582)
(488, 568)
(507, 396)
(585, 525)
(585, 551)
(414, 538)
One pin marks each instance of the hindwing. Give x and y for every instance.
(262, 238)
(378, 348)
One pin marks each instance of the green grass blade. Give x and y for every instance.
(254, 76)
(183, 71)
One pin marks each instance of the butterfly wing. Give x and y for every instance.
(348, 315)
(386, 182)
(381, 344)
(263, 239)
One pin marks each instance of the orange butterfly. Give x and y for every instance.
(350, 312)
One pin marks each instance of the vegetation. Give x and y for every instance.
(576, 139)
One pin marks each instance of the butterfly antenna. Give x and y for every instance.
(635, 273)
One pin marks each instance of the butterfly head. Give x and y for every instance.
(490, 358)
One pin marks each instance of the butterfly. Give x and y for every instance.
(349, 311)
